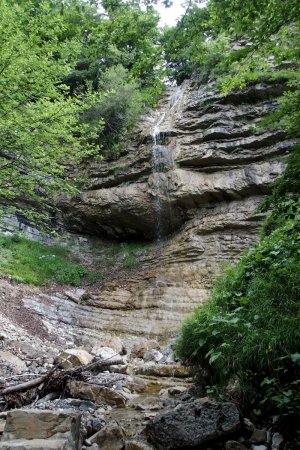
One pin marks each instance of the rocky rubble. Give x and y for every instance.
(121, 403)
(90, 402)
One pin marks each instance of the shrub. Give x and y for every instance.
(250, 327)
(118, 104)
(284, 200)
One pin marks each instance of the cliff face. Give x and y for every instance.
(206, 153)
(195, 172)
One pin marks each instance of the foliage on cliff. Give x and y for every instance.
(235, 42)
(35, 263)
(250, 326)
(74, 76)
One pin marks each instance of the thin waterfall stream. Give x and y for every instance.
(161, 159)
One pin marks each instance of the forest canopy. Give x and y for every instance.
(75, 75)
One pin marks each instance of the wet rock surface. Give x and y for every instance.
(192, 424)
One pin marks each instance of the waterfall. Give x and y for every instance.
(161, 158)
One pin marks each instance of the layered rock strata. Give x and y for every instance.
(208, 153)
(201, 181)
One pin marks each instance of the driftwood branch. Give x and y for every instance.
(27, 385)
(100, 364)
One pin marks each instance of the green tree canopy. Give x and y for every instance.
(39, 123)
(74, 75)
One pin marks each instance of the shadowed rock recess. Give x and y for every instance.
(195, 172)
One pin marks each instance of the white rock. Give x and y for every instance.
(73, 357)
(104, 352)
(153, 355)
(277, 441)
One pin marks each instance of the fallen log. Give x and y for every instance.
(99, 364)
(55, 374)
(26, 385)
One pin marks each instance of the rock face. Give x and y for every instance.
(201, 175)
(41, 429)
(191, 424)
(197, 150)
(97, 394)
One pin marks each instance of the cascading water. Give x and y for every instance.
(161, 158)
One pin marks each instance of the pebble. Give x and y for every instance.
(277, 441)
(258, 447)
(259, 437)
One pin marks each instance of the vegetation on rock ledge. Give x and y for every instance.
(250, 326)
(35, 263)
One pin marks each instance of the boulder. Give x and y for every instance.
(116, 344)
(258, 437)
(104, 352)
(76, 295)
(277, 441)
(43, 424)
(35, 444)
(111, 437)
(139, 349)
(96, 393)
(72, 358)
(153, 355)
(177, 390)
(12, 360)
(192, 424)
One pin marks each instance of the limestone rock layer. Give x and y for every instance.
(197, 149)
(194, 173)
